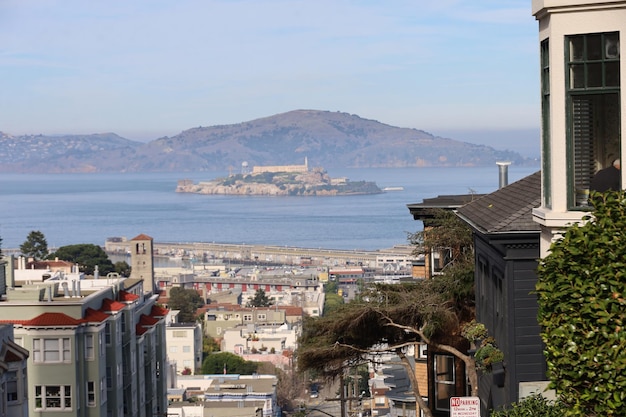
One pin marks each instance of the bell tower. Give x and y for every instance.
(142, 261)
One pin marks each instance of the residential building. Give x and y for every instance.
(230, 395)
(582, 107)
(184, 345)
(13, 375)
(506, 247)
(97, 346)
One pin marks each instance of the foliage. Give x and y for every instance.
(87, 256)
(486, 352)
(209, 345)
(332, 302)
(389, 318)
(35, 246)
(122, 268)
(531, 406)
(581, 289)
(445, 232)
(226, 362)
(260, 299)
(186, 301)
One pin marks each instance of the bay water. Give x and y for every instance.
(89, 208)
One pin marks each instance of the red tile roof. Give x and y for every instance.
(52, 319)
(142, 237)
(139, 329)
(158, 311)
(147, 320)
(127, 296)
(111, 305)
(94, 316)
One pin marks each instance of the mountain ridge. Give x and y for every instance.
(325, 138)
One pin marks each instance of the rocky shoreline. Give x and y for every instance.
(314, 183)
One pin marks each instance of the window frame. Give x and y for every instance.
(42, 349)
(449, 384)
(45, 398)
(588, 86)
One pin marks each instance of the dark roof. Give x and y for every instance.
(426, 209)
(506, 210)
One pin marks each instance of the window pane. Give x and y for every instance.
(594, 75)
(576, 47)
(443, 394)
(594, 47)
(612, 74)
(445, 368)
(577, 76)
(611, 46)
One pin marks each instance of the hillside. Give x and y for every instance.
(328, 139)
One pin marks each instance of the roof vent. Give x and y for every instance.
(503, 168)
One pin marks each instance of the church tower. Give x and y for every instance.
(142, 261)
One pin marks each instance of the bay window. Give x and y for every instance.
(593, 109)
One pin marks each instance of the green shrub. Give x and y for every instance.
(582, 300)
(532, 406)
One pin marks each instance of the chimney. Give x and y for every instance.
(503, 168)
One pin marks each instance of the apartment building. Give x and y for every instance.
(13, 380)
(184, 346)
(97, 346)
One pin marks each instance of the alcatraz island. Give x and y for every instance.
(279, 180)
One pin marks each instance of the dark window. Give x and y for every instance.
(593, 101)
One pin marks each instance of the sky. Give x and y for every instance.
(145, 69)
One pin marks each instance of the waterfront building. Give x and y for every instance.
(97, 345)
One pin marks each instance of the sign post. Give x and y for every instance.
(464, 407)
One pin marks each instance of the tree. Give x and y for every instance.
(582, 298)
(186, 301)
(35, 246)
(260, 299)
(87, 256)
(122, 268)
(209, 345)
(226, 362)
(389, 318)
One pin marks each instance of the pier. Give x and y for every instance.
(211, 252)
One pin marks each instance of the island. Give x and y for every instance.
(279, 180)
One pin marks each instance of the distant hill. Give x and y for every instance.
(327, 139)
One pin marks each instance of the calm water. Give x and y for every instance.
(88, 208)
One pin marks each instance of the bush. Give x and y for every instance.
(582, 299)
(532, 406)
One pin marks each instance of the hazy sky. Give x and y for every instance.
(151, 68)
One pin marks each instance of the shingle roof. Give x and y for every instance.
(506, 210)
(427, 208)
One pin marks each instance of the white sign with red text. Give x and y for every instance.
(464, 407)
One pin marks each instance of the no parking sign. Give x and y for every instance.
(464, 407)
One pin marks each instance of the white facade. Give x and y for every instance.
(184, 346)
(582, 107)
